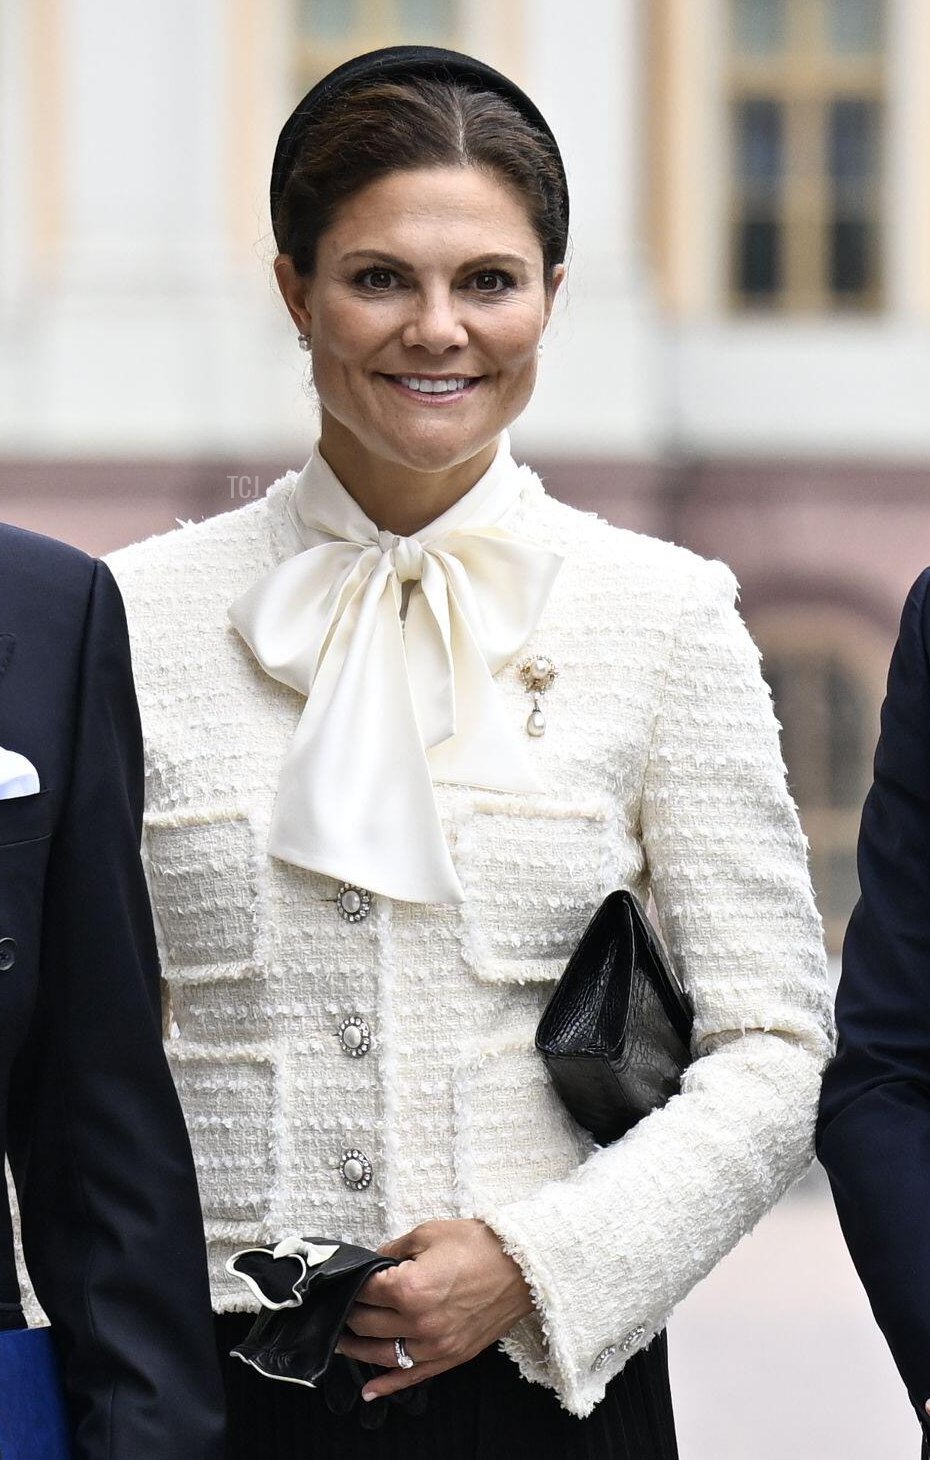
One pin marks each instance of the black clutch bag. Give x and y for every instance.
(616, 1033)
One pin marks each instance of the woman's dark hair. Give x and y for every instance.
(387, 127)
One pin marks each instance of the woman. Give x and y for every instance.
(409, 720)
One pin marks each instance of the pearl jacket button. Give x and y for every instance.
(355, 1036)
(353, 903)
(356, 1170)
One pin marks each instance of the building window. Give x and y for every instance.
(827, 698)
(806, 100)
(330, 31)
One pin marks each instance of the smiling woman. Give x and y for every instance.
(423, 230)
(425, 343)
(371, 852)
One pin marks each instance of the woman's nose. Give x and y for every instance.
(435, 325)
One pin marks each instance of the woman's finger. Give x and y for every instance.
(380, 1352)
(366, 1320)
(400, 1248)
(396, 1379)
(380, 1289)
(383, 1355)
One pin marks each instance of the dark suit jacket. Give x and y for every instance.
(874, 1127)
(110, 1216)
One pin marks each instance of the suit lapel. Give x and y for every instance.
(7, 642)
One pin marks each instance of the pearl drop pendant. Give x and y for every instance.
(538, 675)
(536, 724)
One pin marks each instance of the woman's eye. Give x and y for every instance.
(493, 281)
(377, 279)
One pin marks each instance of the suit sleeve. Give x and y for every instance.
(610, 1251)
(111, 1224)
(874, 1125)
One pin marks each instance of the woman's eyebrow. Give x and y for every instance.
(512, 259)
(376, 253)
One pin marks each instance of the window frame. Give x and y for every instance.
(379, 26)
(806, 77)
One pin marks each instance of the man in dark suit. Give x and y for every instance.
(101, 1160)
(874, 1127)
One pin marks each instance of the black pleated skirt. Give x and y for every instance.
(483, 1410)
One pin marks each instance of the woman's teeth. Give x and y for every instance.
(434, 387)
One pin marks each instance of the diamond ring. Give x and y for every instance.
(404, 1361)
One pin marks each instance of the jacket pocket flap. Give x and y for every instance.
(25, 818)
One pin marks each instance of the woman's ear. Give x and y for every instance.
(295, 291)
(556, 280)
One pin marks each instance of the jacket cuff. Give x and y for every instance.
(574, 1353)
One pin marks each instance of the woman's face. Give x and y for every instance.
(425, 314)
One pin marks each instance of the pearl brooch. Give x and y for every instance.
(538, 675)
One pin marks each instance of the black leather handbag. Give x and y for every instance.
(616, 1033)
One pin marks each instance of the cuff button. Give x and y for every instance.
(633, 1338)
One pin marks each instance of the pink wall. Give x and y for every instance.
(853, 534)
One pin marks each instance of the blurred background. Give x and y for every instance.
(741, 363)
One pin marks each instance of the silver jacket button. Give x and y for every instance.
(633, 1338)
(353, 903)
(356, 1170)
(355, 1036)
(604, 1357)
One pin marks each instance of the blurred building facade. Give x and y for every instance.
(742, 361)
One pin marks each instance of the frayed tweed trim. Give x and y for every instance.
(560, 1374)
(388, 1047)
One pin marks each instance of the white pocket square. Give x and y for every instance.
(18, 776)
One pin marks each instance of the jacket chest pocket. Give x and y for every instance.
(535, 870)
(204, 877)
(511, 1131)
(232, 1104)
(207, 875)
(25, 819)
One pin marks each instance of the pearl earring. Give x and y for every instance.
(303, 341)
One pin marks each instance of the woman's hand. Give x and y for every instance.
(455, 1292)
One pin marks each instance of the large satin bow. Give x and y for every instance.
(394, 641)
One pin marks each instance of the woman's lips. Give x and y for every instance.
(435, 390)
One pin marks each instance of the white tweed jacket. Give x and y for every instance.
(662, 773)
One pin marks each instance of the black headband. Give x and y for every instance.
(401, 63)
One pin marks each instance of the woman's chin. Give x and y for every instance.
(435, 450)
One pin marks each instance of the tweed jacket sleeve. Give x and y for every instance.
(611, 1249)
